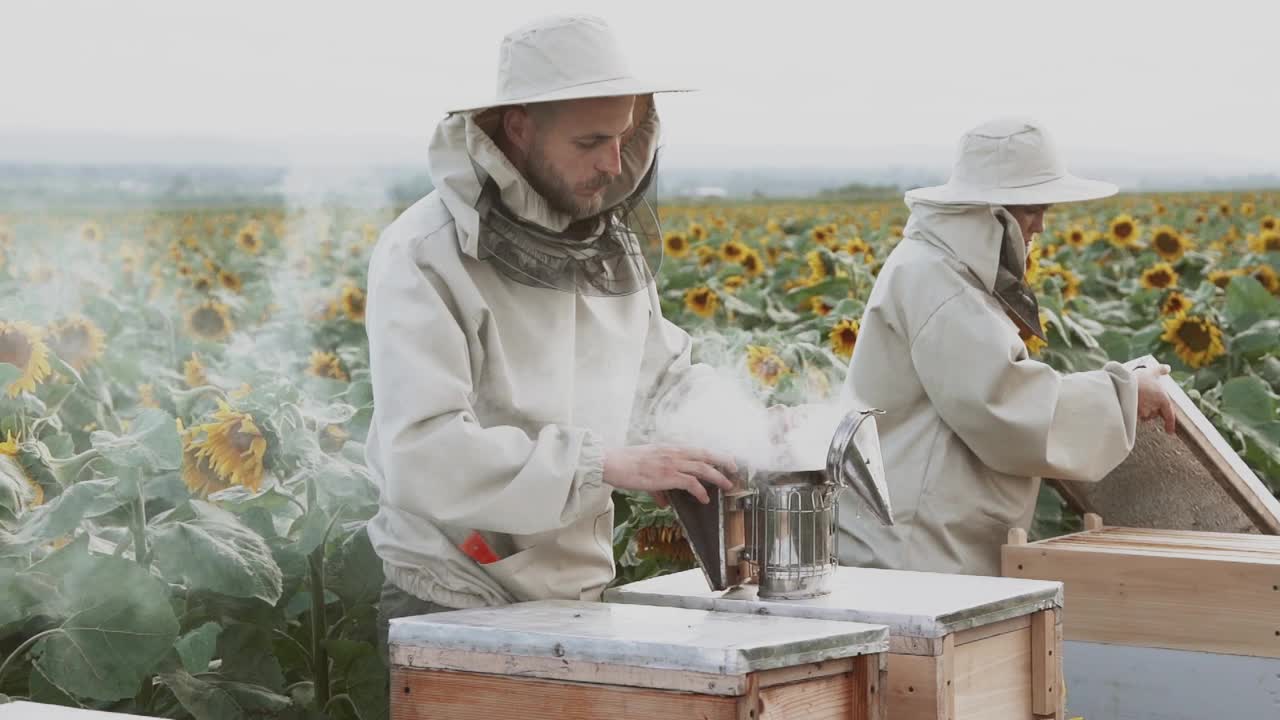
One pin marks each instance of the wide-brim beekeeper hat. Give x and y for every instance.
(564, 57)
(1011, 161)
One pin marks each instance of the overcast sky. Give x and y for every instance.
(1157, 79)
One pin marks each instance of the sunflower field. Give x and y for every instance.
(184, 395)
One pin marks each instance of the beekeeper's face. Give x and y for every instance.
(571, 151)
(1030, 219)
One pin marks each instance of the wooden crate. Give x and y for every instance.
(1164, 623)
(580, 660)
(960, 646)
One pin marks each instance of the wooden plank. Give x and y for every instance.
(867, 684)
(447, 695)
(1155, 600)
(1044, 664)
(912, 645)
(1193, 480)
(827, 698)
(809, 671)
(1017, 536)
(964, 637)
(944, 682)
(992, 678)
(1092, 521)
(749, 705)
(913, 689)
(553, 668)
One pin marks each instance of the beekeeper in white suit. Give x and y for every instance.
(971, 422)
(515, 330)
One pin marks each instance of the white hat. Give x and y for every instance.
(563, 57)
(1011, 161)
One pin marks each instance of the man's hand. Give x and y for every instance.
(655, 468)
(1152, 399)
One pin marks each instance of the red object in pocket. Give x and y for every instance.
(477, 549)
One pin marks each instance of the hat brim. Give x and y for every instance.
(603, 88)
(1065, 189)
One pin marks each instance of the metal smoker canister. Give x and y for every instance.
(786, 520)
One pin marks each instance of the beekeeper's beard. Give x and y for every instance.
(557, 191)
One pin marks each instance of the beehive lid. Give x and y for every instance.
(1189, 481)
(1261, 549)
(599, 634)
(911, 604)
(37, 711)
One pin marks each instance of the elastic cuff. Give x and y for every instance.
(590, 462)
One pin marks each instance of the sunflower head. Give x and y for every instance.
(353, 302)
(1222, 278)
(333, 437)
(706, 255)
(663, 542)
(701, 301)
(234, 447)
(1266, 275)
(820, 306)
(752, 263)
(1265, 242)
(91, 232)
(197, 471)
(765, 365)
(193, 371)
(1195, 339)
(1175, 303)
(23, 346)
(1169, 244)
(818, 269)
(202, 283)
(326, 365)
(1247, 209)
(1270, 223)
(676, 244)
(230, 280)
(1124, 231)
(844, 337)
(1159, 276)
(697, 232)
(78, 341)
(249, 239)
(210, 320)
(733, 251)
(824, 235)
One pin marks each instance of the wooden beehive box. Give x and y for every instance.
(1170, 624)
(960, 646)
(580, 660)
(37, 711)
(1192, 480)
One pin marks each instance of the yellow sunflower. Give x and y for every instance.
(353, 303)
(1159, 276)
(326, 365)
(820, 306)
(1195, 339)
(202, 284)
(676, 244)
(733, 251)
(1266, 275)
(249, 239)
(197, 472)
(90, 232)
(733, 282)
(706, 255)
(1070, 281)
(1270, 223)
(1169, 244)
(697, 232)
(701, 301)
(818, 270)
(1222, 278)
(824, 235)
(210, 320)
(193, 372)
(78, 341)
(765, 365)
(1265, 242)
(10, 449)
(1247, 209)
(752, 263)
(230, 281)
(22, 346)
(234, 447)
(1175, 303)
(1034, 344)
(844, 337)
(1124, 232)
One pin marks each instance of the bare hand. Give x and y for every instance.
(655, 468)
(1152, 399)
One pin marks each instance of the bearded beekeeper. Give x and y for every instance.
(971, 422)
(515, 330)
